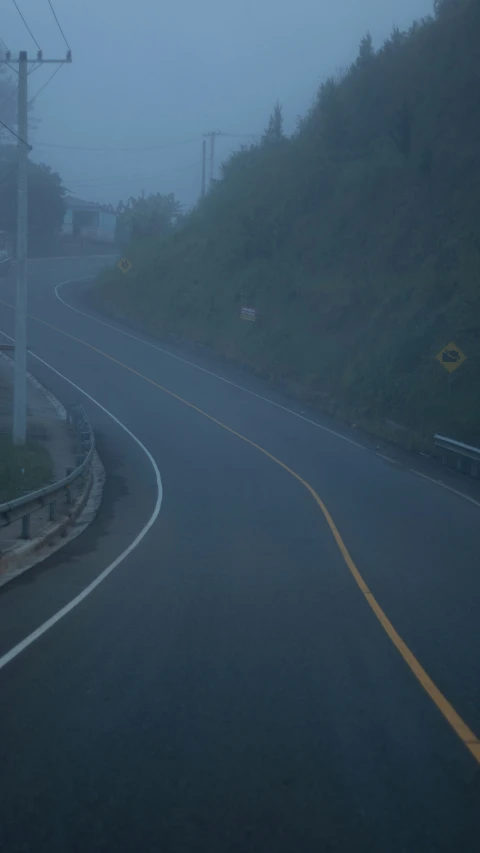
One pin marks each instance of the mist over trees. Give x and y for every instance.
(155, 215)
(357, 239)
(46, 205)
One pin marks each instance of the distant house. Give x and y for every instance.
(87, 220)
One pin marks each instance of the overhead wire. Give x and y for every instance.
(58, 24)
(117, 148)
(15, 134)
(8, 174)
(24, 21)
(7, 50)
(133, 178)
(57, 69)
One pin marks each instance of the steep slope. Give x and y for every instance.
(357, 241)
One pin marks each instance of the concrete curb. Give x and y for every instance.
(14, 559)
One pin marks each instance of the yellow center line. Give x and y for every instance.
(465, 734)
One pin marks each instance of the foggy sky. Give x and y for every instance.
(157, 73)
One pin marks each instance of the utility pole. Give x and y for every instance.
(212, 135)
(20, 369)
(204, 157)
(19, 431)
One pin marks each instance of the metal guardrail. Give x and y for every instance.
(22, 508)
(463, 452)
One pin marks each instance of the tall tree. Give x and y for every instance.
(401, 130)
(150, 216)
(46, 207)
(274, 132)
(449, 8)
(365, 52)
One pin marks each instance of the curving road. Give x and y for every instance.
(288, 657)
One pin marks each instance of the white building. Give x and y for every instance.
(89, 221)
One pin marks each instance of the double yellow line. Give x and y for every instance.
(465, 734)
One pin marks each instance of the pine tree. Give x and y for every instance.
(365, 52)
(274, 132)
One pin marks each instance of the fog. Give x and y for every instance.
(154, 76)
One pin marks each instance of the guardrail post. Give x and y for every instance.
(460, 464)
(474, 469)
(49, 496)
(26, 526)
(69, 493)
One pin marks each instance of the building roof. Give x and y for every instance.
(79, 204)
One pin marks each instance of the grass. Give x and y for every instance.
(361, 258)
(23, 469)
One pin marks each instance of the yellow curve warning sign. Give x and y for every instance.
(451, 357)
(124, 265)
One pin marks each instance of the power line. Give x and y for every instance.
(15, 134)
(57, 69)
(7, 50)
(242, 135)
(10, 66)
(8, 175)
(14, 92)
(115, 148)
(133, 178)
(58, 24)
(24, 21)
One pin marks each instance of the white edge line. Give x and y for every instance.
(246, 390)
(444, 486)
(42, 629)
(202, 369)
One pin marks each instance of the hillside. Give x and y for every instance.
(357, 240)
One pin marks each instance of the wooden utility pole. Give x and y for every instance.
(19, 433)
(204, 158)
(212, 134)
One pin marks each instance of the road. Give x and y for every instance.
(236, 681)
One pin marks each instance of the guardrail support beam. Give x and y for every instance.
(21, 508)
(26, 526)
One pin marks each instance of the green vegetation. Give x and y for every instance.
(45, 192)
(23, 469)
(357, 240)
(142, 218)
(46, 205)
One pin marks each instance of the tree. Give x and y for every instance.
(153, 216)
(366, 52)
(333, 117)
(46, 206)
(401, 130)
(449, 8)
(274, 132)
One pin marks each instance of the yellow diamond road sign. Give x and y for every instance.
(451, 357)
(124, 265)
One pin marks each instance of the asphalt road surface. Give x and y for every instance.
(234, 683)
